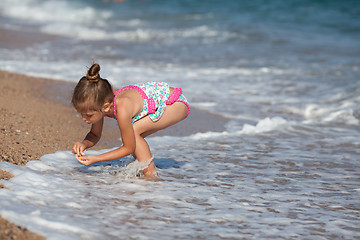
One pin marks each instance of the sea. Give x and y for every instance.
(285, 76)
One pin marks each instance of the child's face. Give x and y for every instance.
(91, 116)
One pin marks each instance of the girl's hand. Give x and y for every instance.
(78, 149)
(86, 160)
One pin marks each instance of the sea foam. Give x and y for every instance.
(263, 126)
(42, 189)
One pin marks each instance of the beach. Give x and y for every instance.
(270, 148)
(37, 118)
(31, 126)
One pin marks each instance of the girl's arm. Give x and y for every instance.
(124, 120)
(90, 140)
(93, 137)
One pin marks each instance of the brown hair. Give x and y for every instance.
(92, 91)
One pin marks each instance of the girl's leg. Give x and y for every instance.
(144, 127)
(143, 154)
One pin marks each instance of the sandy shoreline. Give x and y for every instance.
(33, 125)
(37, 118)
(30, 127)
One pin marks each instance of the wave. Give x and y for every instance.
(53, 11)
(274, 124)
(340, 111)
(81, 20)
(263, 126)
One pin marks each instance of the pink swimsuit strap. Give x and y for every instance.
(174, 96)
(117, 93)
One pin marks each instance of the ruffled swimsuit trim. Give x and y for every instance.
(155, 96)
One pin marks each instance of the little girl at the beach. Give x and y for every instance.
(140, 110)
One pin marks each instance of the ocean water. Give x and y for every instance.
(285, 73)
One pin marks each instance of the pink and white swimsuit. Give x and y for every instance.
(156, 96)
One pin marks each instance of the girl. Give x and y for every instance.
(140, 110)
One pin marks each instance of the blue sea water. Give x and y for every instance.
(285, 73)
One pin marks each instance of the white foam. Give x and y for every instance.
(265, 125)
(315, 111)
(202, 189)
(341, 112)
(43, 11)
(36, 222)
(343, 116)
(60, 199)
(204, 104)
(76, 19)
(43, 188)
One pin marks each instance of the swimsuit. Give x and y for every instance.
(156, 96)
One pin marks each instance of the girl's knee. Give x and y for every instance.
(138, 130)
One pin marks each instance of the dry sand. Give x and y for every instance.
(37, 118)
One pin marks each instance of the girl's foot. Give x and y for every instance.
(150, 171)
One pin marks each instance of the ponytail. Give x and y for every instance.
(92, 91)
(93, 74)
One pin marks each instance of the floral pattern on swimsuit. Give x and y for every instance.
(156, 96)
(159, 91)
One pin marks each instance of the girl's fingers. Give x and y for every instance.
(81, 150)
(78, 148)
(80, 158)
(73, 150)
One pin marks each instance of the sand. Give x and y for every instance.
(32, 125)
(36, 118)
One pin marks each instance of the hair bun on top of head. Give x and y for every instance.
(93, 73)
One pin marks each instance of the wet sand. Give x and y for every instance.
(37, 118)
